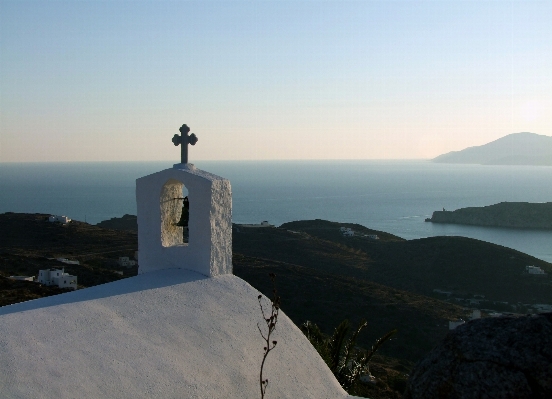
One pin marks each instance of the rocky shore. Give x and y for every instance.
(505, 214)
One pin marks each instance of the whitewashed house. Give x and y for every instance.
(536, 270)
(59, 219)
(542, 307)
(68, 262)
(347, 232)
(57, 277)
(125, 261)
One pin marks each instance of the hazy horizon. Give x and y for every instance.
(175, 160)
(261, 80)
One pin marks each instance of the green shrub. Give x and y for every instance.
(345, 360)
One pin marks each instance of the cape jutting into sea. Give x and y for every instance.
(392, 196)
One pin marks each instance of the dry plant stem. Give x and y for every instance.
(271, 324)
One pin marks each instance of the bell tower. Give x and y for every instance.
(161, 243)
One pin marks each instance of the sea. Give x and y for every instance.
(387, 195)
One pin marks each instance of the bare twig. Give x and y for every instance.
(271, 325)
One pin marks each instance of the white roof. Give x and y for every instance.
(164, 334)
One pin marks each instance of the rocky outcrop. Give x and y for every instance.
(127, 222)
(505, 357)
(505, 214)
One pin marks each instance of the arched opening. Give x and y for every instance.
(175, 214)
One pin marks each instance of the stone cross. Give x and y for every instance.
(184, 140)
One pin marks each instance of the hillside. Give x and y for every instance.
(325, 296)
(322, 275)
(514, 149)
(25, 233)
(28, 243)
(463, 265)
(15, 291)
(326, 299)
(505, 214)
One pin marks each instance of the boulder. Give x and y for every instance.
(504, 357)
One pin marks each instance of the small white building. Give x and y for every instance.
(455, 323)
(68, 262)
(125, 261)
(59, 219)
(22, 278)
(57, 277)
(542, 307)
(347, 232)
(534, 270)
(372, 236)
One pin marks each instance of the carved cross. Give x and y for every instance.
(184, 139)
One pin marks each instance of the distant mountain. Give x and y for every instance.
(514, 149)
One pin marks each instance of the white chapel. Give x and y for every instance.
(184, 327)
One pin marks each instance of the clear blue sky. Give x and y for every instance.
(114, 80)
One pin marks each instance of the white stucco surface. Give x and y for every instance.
(165, 334)
(209, 250)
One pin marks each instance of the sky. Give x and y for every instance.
(274, 80)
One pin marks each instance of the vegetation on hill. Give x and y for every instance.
(89, 272)
(29, 243)
(325, 299)
(32, 234)
(15, 291)
(331, 231)
(347, 361)
(460, 265)
(126, 222)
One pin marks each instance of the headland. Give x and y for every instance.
(522, 215)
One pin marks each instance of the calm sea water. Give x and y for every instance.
(392, 196)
